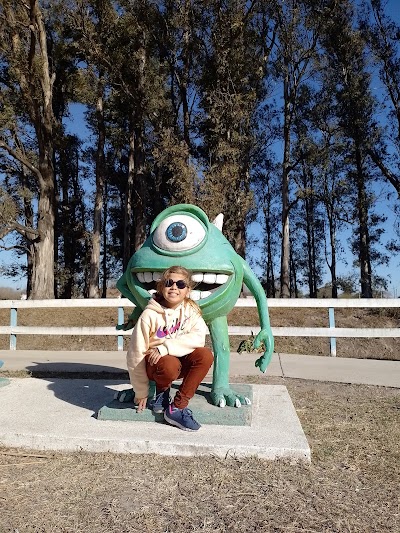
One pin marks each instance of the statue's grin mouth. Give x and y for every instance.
(206, 282)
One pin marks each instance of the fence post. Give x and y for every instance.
(332, 340)
(13, 322)
(120, 322)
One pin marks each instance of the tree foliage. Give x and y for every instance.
(263, 110)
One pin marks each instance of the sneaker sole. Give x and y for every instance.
(158, 411)
(177, 424)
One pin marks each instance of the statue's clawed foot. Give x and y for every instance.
(124, 396)
(226, 396)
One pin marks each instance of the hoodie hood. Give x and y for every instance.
(153, 305)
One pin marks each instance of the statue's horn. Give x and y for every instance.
(218, 221)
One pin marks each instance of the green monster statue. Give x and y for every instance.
(182, 234)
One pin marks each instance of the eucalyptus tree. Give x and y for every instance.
(297, 30)
(308, 226)
(178, 43)
(307, 216)
(71, 219)
(267, 189)
(91, 25)
(27, 118)
(175, 129)
(231, 87)
(70, 230)
(321, 176)
(382, 35)
(355, 109)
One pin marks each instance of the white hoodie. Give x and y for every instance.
(173, 331)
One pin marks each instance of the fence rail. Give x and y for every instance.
(13, 330)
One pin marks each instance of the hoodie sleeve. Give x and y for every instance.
(135, 359)
(184, 344)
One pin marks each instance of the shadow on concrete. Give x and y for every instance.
(75, 384)
(68, 370)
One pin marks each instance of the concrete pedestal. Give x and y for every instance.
(60, 414)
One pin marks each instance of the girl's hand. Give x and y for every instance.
(141, 404)
(153, 356)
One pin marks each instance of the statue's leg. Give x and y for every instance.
(128, 395)
(221, 393)
(125, 396)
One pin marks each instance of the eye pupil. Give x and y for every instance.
(176, 232)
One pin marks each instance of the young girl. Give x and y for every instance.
(168, 344)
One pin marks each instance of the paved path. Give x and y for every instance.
(320, 368)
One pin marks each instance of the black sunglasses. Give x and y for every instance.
(181, 284)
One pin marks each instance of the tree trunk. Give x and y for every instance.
(332, 267)
(139, 215)
(270, 263)
(42, 113)
(105, 217)
(293, 278)
(128, 207)
(29, 222)
(285, 249)
(98, 206)
(240, 241)
(140, 186)
(43, 256)
(185, 74)
(364, 245)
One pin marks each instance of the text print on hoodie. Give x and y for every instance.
(173, 331)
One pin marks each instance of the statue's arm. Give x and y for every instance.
(265, 335)
(133, 317)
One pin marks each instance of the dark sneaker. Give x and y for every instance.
(161, 402)
(181, 418)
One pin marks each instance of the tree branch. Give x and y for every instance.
(388, 174)
(22, 230)
(17, 246)
(21, 159)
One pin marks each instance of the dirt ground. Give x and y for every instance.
(352, 484)
(383, 348)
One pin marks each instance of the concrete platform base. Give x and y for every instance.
(205, 412)
(59, 414)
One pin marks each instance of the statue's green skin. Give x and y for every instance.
(214, 254)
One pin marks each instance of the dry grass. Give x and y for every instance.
(351, 486)
(384, 348)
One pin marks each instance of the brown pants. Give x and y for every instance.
(192, 368)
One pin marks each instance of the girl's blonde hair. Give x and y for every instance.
(186, 276)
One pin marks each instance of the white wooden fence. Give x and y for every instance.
(13, 330)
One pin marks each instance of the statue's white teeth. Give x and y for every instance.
(199, 295)
(148, 277)
(210, 278)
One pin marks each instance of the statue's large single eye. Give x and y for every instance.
(178, 233)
